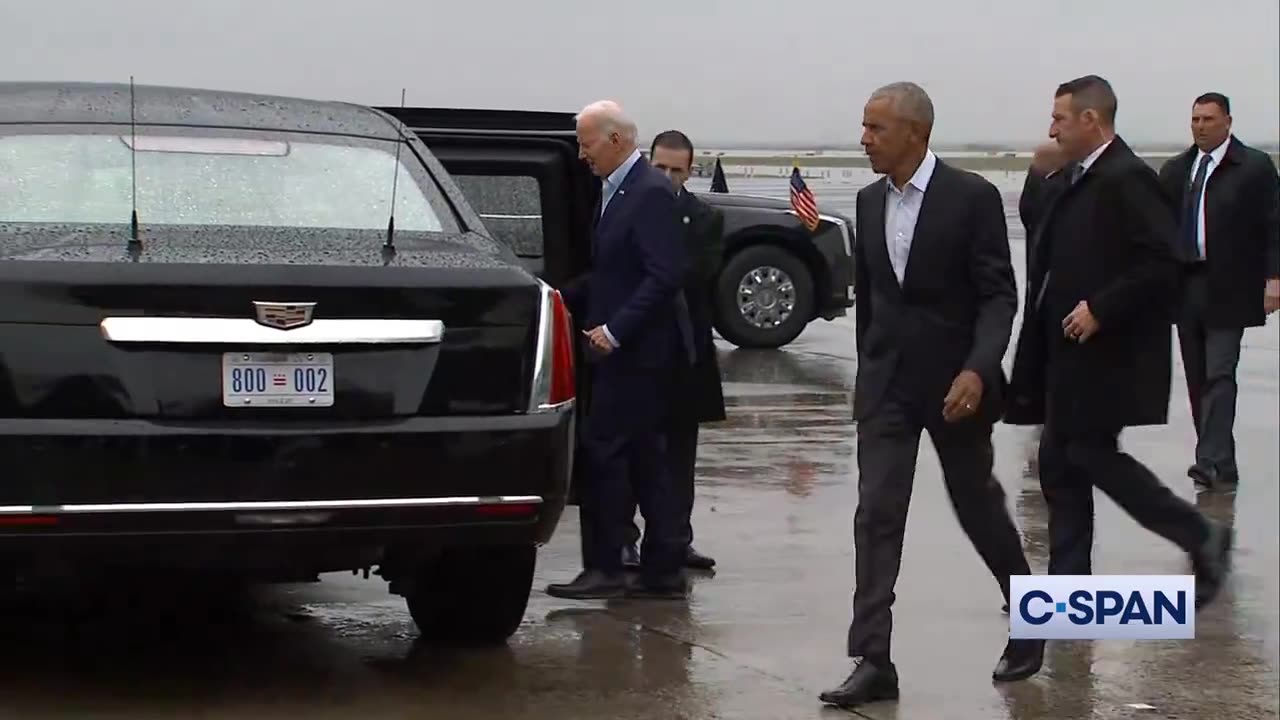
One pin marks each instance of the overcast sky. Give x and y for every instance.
(726, 71)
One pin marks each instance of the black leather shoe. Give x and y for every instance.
(1227, 481)
(697, 561)
(1021, 660)
(1200, 476)
(630, 557)
(1211, 563)
(590, 585)
(867, 683)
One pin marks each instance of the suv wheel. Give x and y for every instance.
(764, 297)
(473, 595)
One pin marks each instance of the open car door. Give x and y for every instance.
(520, 171)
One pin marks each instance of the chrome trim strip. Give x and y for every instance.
(557, 407)
(501, 216)
(245, 331)
(270, 505)
(540, 385)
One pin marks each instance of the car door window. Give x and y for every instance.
(511, 208)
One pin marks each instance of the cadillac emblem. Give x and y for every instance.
(283, 316)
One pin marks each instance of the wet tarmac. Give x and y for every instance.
(758, 639)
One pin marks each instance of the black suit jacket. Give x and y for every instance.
(954, 310)
(1106, 240)
(634, 286)
(1038, 193)
(1242, 229)
(704, 239)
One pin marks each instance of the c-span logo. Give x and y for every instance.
(1102, 607)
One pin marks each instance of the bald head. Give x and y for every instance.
(606, 136)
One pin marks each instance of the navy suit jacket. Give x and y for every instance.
(638, 267)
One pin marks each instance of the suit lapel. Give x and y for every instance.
(619, 198)
(928, 222)
(876, 242)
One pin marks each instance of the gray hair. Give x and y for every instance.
(612, 118)
(910, 102)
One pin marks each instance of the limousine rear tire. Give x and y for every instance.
(781, 280)
(473, 596)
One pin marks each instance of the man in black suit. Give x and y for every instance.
(1094, 353)
(699, 396)
(1227, 196)
(633, 314)
(935, 305)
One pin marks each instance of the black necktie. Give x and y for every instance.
(1077, 172)
(1191, 209)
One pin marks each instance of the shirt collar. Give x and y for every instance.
(1217, 153)
(924, 173)
(1093, 156)
(616, 177)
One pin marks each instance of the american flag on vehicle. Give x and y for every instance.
(802, 201)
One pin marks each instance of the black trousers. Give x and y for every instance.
(682, 455)
(1210, 356)
(888, 445)
(625, 448)
(1071, 466)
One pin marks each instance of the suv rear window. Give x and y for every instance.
(187, 178)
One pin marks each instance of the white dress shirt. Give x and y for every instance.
(1215, 159)
(902, 211)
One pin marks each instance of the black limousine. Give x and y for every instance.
(268, 338)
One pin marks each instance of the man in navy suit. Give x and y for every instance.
(631, 309)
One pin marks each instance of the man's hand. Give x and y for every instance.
(599, 341)
(1271, 301)
(1080, 325)
(964, 397)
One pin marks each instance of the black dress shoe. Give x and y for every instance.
(630, 557)
(867, 683)
(590, 585)
(697, 561)
(1227, 481)
(1201, 476)
(1021, 660)
(1212, 563)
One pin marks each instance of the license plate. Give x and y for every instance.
(277, 379)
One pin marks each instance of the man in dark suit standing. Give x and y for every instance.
(1227, 196)
(1094, 353)
(699, 393)
(935, 305)
(631, 310)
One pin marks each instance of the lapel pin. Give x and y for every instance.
(686, 219)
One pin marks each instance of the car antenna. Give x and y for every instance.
(134, 243)
(390, 246)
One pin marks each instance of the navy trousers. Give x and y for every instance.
(626, 448)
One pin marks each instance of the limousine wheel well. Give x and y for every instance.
(767, 290)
